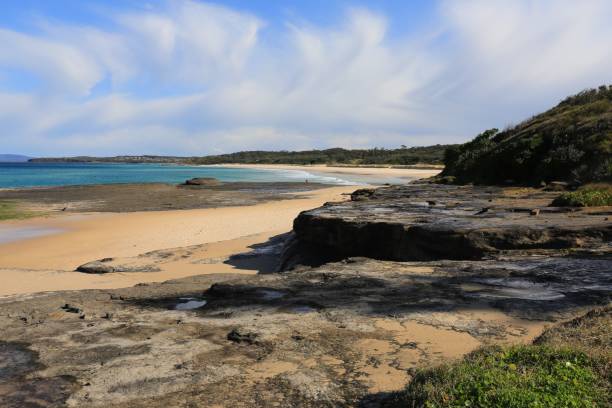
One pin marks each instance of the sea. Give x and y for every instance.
(24, 175)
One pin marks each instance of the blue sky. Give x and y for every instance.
(193, 77)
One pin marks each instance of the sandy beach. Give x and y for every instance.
(47, 262)
(371, 175)
(47, 250)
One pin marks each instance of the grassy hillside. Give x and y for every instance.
(571, 142)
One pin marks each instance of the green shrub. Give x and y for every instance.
(584, 198)
(519, 376)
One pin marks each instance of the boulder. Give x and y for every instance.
(99, 267)
(202, 181)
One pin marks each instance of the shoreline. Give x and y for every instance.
(356, 170)
(382, 174)
(358, 174)
(49, 261)
(83, 235)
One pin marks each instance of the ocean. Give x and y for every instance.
(21, 175)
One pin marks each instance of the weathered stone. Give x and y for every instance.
(110, 265)
(239, 337)
(362, 194)
(96, 267)
(202, 181)
(71, 309)
(397, 223)
(326, 328)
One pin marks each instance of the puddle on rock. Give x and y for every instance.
(190, 304)
(269, 294)
(510, 288)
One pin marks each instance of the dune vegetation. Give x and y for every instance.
(571, 142)
(592, 195)
(567, 366)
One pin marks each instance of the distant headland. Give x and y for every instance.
(403, 156)
(13, 158)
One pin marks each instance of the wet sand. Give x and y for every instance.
(46, 263)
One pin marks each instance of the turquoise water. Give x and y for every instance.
(15, 175)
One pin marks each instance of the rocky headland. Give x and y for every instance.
(372, 289)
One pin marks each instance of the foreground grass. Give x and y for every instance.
(10, 210)
(568, 366)
(588, 196)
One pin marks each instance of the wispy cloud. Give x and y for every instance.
(194, 78)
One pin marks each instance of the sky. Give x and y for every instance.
(187, 77)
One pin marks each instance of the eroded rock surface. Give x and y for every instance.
(342, 334)
(336, 335)
(203, 181)
(110, 265)
(151, 196)
(420, 222)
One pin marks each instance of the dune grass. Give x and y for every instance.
(568, 366)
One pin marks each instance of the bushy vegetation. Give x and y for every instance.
(10, 210)
(402, 156)
(571, 142)
(405, 156)
(568, 366)
(520, 376)
(585, 197)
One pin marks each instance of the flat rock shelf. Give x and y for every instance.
(422, 222)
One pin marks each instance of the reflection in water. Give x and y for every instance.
(190, 304)
(511, 288)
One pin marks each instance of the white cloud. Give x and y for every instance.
(190, 77)
(519, 57)
(59, 65)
